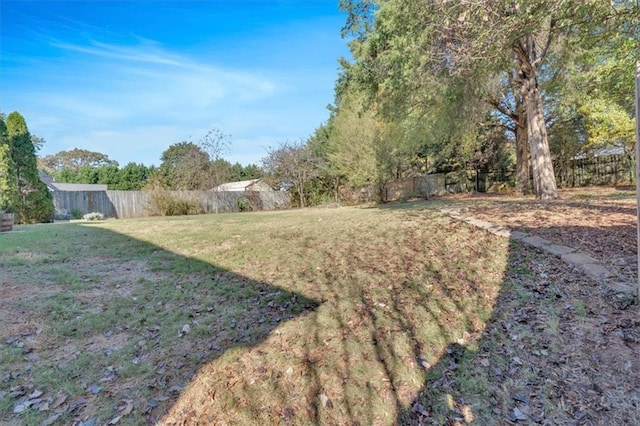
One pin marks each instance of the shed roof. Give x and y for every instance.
(59, 186)
(243, 185)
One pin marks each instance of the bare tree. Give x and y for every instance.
(292, 166)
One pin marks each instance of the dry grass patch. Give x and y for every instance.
(310, 316)
(328, 316)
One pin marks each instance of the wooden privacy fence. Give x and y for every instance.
(128, 204)
(6, 222)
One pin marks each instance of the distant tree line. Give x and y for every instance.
(185, 166)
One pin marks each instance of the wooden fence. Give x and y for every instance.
(128, 204)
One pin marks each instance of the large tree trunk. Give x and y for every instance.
(523, 180)
(544, 180)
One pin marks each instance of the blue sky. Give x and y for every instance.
(129, 79)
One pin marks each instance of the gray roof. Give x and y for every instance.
(58, 186)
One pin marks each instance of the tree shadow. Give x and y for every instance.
(417, 333)
(360, 357)
(114, 318)
(557, 349)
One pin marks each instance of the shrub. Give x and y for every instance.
(93, 216)
(76, 213)
(243, 205)
(164, 203)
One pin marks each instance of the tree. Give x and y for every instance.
(326, 185)
(133, 177)
(35, 203)
(216, 143)
(8, 182)
(185, 166)
(415, 46)
(237, 172)
(363, 148)
(74, 159)
(292, 166)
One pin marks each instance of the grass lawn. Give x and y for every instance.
(319, 316)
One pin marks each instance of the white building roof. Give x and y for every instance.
(243, 185)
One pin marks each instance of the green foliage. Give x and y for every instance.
(75, 159)
(31, 201)
(165, 203)
(437, 64)
(185, 166)
(244, 205)
(131, 177)
(237, 172)
(352, 145)
(8, 182)
(76, 213)
(37, 205)
(606, 123)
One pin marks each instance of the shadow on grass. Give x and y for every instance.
(389, 309)
(423, 320)
(106, 320)
(555, 350)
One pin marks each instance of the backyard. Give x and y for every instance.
(394, 314)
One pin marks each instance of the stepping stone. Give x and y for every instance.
(558, 250)
(518, 235)
(578, 259)
(536, 242)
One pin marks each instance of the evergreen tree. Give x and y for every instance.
(34, 202)
(8, 185)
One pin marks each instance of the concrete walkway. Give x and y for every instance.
(590, 266)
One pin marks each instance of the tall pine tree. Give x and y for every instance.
(31, 201)
(8, 183)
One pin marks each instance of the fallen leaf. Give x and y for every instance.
(516, 415)
(36, 393)
(126, 408)
(77, 403)
(176, 388)
(521, 398)
(17, 391)
(115, 420)
(60, 399)
(50, 420)
(20, 407)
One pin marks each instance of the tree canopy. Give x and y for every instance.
(411, 55)
(75, 160)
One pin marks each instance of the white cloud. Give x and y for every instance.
(130, 101)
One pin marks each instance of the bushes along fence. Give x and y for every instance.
(129, 204)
